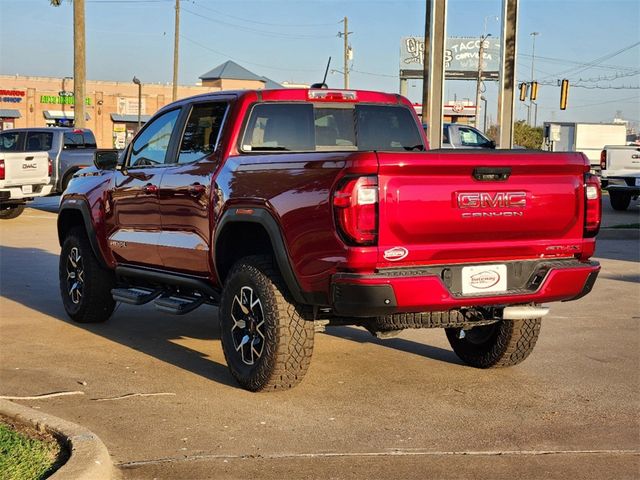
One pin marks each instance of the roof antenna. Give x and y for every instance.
(324, 80)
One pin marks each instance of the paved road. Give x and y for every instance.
(400, 408)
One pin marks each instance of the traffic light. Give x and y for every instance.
(534, 91)
(564, 93)
(523, 91)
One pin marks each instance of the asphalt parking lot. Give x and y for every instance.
(368, 408)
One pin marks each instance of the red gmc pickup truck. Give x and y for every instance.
(293, 209)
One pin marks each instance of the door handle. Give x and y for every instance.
(196, 189)
(150, 188)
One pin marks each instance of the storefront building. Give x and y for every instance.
(111, 107)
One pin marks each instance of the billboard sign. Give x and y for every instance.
(460, 58)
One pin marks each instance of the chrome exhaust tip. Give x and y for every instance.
(524, 312)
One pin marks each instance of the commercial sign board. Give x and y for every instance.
(460, 58)
(11, 96)
(61, 100)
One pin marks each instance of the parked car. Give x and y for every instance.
(70, 149)
(23, 176)
(455, 135)
(620, 172)
(274, 206)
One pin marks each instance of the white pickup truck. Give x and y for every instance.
(620, 174)
(23, 176)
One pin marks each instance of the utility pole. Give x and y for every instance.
(507, 83)
(479, 82)
(435, 33)
(79, 64)
(533, 58)
(176, 48)
(347, 50)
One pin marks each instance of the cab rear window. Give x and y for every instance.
(306, 127)
(79, 139)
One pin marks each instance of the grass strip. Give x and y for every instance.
(26, 454)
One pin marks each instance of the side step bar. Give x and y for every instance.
(135, 296)
(178, 305)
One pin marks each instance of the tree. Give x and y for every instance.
(523, 135)
(79, 61)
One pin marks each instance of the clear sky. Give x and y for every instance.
(291, 40)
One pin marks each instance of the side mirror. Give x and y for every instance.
(106, 159)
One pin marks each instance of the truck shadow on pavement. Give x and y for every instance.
(408, 346)
(30, 277)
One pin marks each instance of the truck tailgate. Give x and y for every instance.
(25, 168)
(460, 207)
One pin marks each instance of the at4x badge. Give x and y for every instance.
(396, 253)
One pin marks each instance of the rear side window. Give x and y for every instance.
(280, 127)
(39, 141)
(201, 132)
(11, 141)
(309, 127)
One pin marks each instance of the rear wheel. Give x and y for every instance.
(501, 344)
(85, 286)
(266, 342)
(7, 212)
(619, 200)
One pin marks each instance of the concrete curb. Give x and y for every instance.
(88, 458)
(619, 234)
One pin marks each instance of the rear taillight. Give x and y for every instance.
(593, 205)
(50, 168)
(603, 160)
(2, 171)
(356, 209)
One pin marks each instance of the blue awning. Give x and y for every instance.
(9, 113)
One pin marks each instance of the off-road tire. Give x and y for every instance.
(95, 304)
(619, 200)
(7, 213)
(287, 338)
(502, 344)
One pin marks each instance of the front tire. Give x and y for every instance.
(266, 342)
(85, 286)
(619, 201)
(501, 344)
(11, 211)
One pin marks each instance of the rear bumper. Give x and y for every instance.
(410, 291)
(11, 194)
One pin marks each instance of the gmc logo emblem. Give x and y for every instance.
(29, 166)
(492, 200)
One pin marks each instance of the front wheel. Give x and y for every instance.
(619, 201)
(85, 286)
(266, 342)
(7, 212)
(501, 344)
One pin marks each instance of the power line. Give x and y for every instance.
(266, 33)
(297, 25)
(246, 61)
(596, 61)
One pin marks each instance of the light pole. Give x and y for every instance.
(139, 83)
(484, 124)
(533, 58)
(479, 83)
